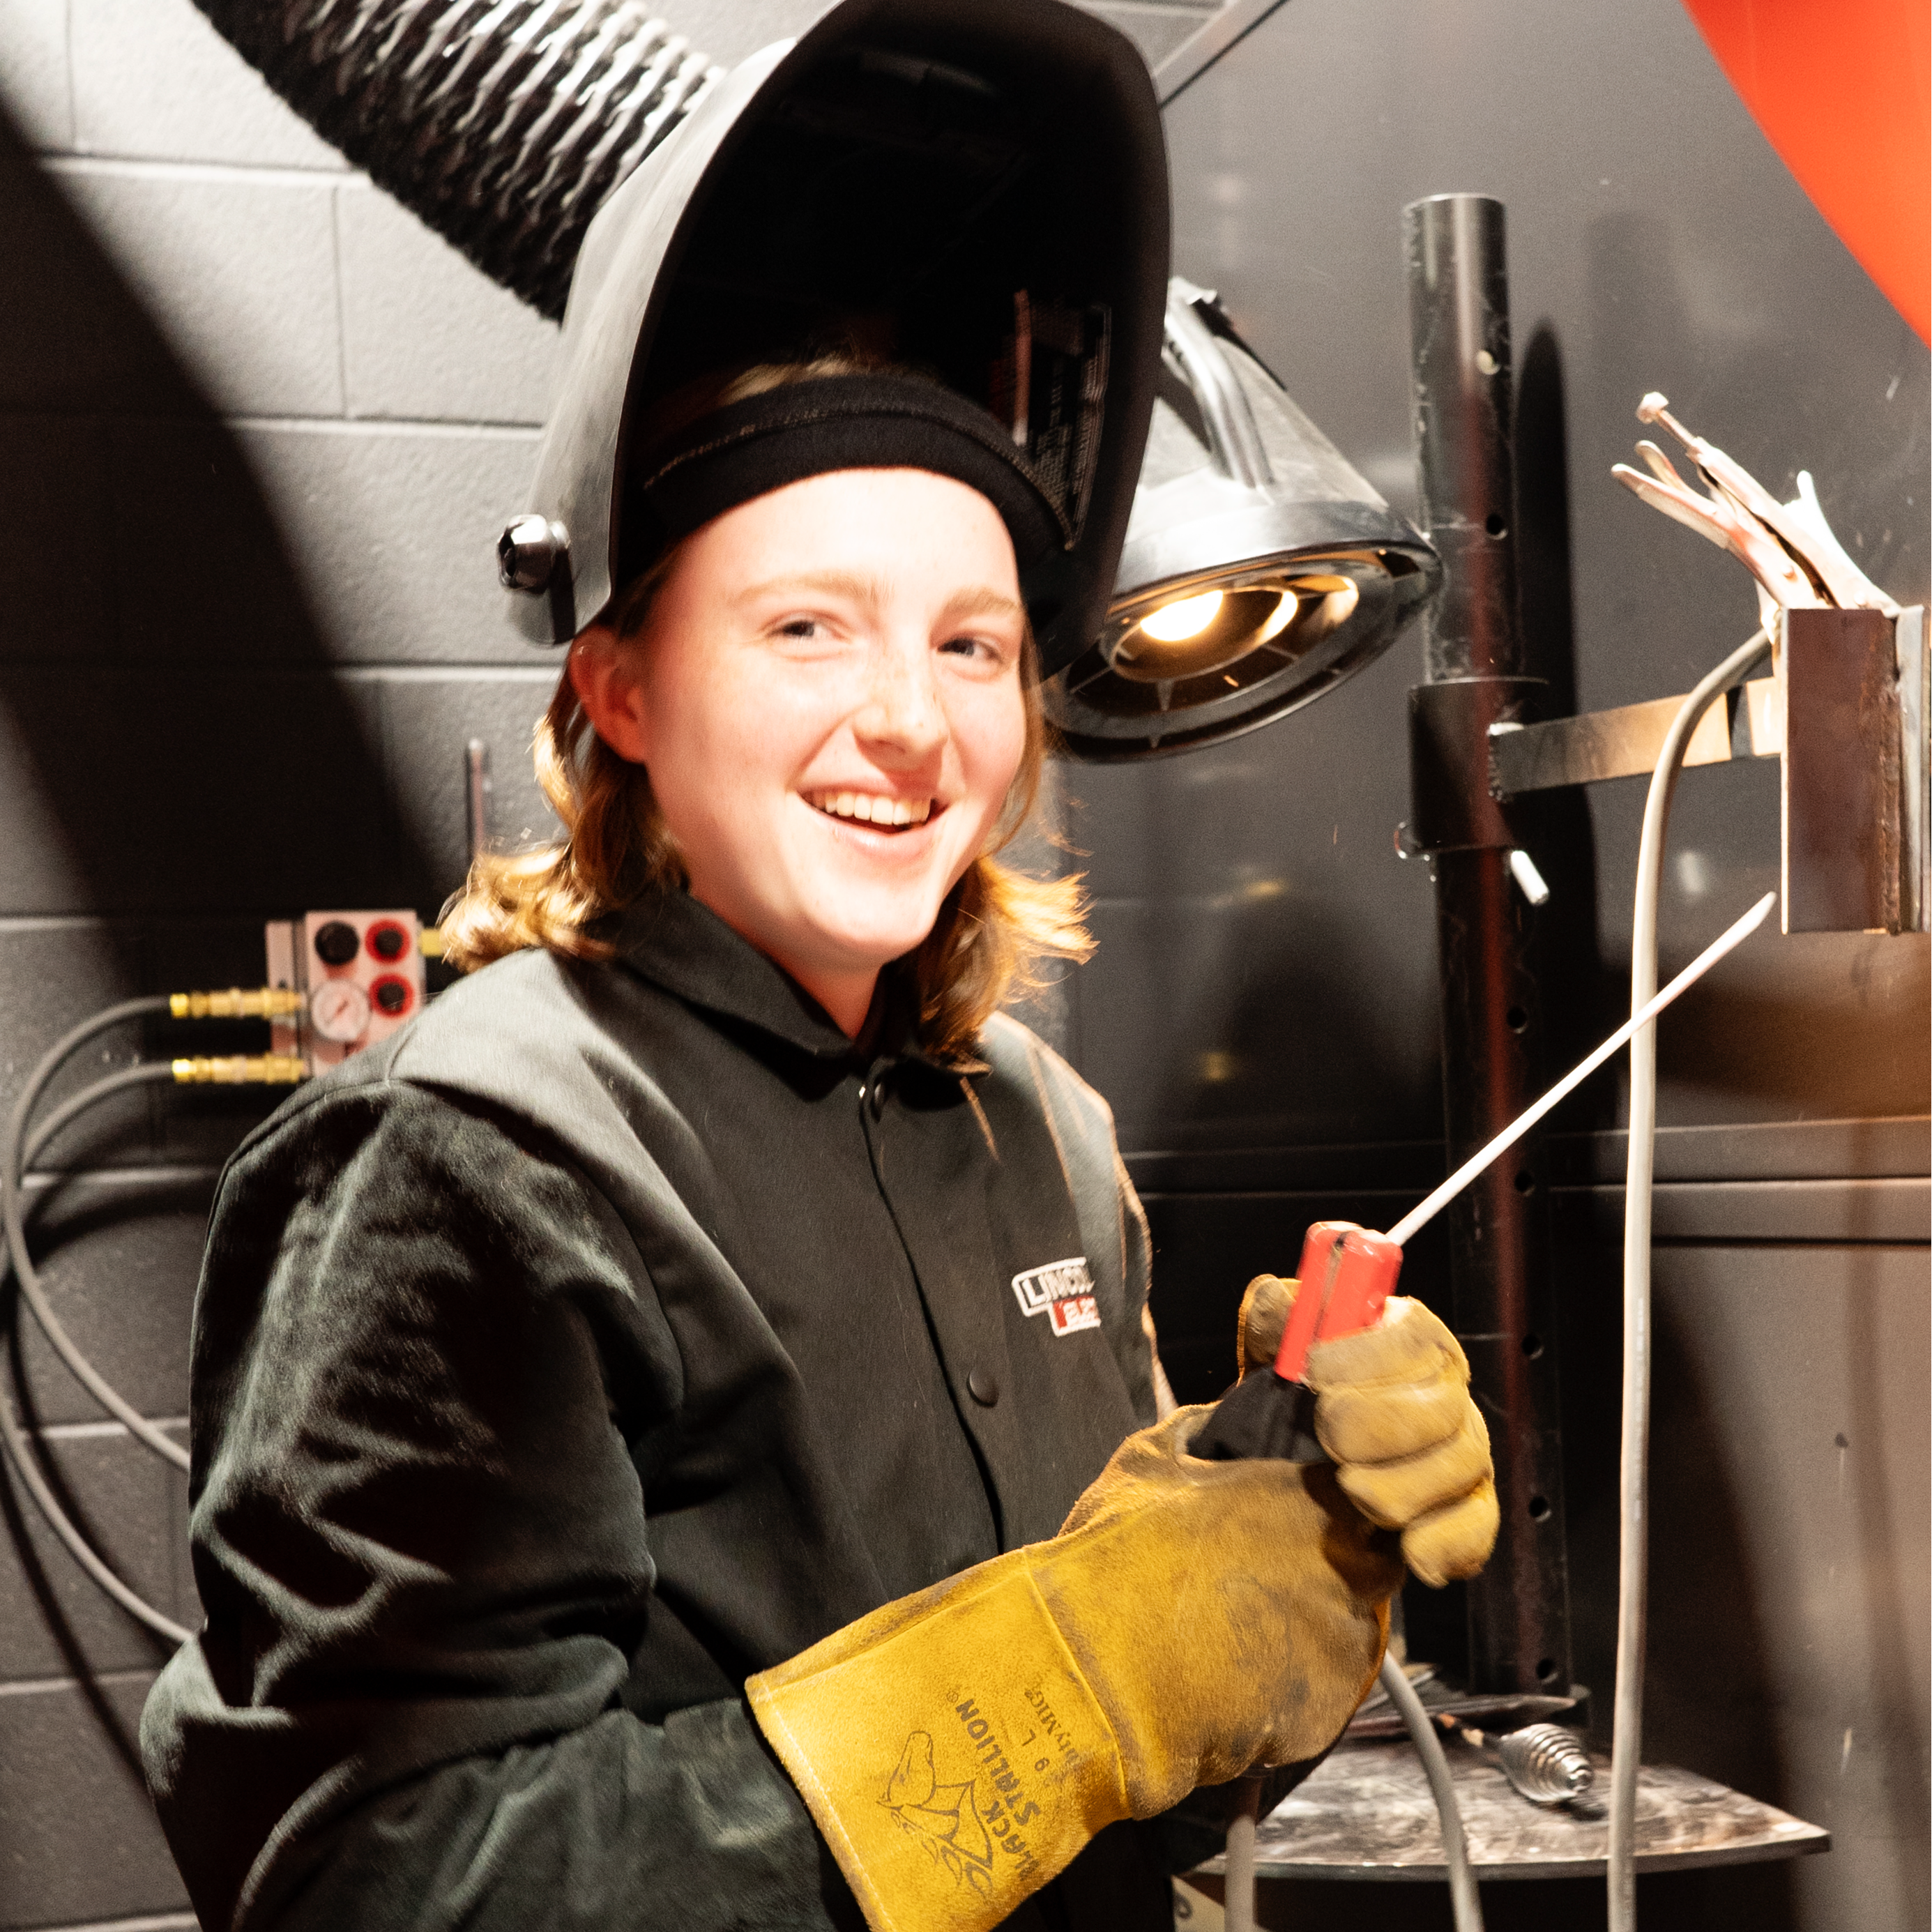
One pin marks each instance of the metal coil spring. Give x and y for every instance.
(1546, 1763)
(504, 124)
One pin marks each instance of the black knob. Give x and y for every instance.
(336, 943)
(392, 995)
(389, 942)
(983, 1388)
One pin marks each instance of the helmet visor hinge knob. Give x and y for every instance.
(528, 550)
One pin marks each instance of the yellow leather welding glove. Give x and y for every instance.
(1393, 1408)
(1193, 1620)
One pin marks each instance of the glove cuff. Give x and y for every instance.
(949, 1748)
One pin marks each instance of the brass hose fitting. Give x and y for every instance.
(241, 1069)
(256, 1002)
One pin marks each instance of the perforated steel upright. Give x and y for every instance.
(1476, 667)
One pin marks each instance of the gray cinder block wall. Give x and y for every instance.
(257, 432)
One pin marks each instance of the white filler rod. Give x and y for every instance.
(1427, 1209)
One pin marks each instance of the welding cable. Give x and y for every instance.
(1463, 1901)
(234, 1070)
(12, 1165)
(1626, 1733)
(12, 1437)
(1238, 1864)
(1237, 1860)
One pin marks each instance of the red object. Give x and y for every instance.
(387, 940)
(392, 995)
(1843, 91)
(1347, 1274)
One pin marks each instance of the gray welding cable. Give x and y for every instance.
(1463, 1901)
(12, 1163)
(1626, 1736)
(1238, 1866)
(12, 1438)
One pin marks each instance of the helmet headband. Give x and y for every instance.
(872, 421)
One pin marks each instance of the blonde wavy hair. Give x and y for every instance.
(996, 929)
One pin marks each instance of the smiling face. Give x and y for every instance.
(826, 694)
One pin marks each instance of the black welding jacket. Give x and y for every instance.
(614, 1332)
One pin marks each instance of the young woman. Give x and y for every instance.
(636, 1409)
(676, 1439)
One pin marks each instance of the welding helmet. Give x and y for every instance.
(975, 191)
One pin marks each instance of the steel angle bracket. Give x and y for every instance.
(1625, 742)
(1848, 713)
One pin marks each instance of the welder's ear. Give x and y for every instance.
(1264, 1315)
(605, 677)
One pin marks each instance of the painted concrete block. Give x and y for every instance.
(237, 275)
(393, 535)
(427, 335)
(426, 726)
(53, 492)
(34, 88)
(262, 791)
(306, 544)
(75, 334)
(153, 79)
(79, 1840)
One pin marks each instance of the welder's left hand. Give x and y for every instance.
(1393, 1408)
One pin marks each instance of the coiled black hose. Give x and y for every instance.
(504, 124)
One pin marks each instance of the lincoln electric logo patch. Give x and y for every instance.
(1061, 1290)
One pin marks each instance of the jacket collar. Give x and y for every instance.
(674, 942)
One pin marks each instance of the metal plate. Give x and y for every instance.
(1367, 1813)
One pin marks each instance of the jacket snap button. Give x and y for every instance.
(983, 1388)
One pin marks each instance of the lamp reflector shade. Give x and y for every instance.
(1260, 570)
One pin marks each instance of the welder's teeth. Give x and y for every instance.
(862, 807)
(918, 811)
(902, 811)
(841, 805)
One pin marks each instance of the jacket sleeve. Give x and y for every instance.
(425, 1355)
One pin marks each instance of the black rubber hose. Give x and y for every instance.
(503, 124)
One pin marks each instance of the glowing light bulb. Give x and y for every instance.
(1174, 623)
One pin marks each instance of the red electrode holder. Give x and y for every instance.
(1347, 1274)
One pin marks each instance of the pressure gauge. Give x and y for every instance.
(339, 1010)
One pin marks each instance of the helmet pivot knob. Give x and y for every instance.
(527, 551)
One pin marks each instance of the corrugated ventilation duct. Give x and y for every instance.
(504, 124)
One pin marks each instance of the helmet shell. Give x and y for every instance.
(974, 188)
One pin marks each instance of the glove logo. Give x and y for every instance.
(943, 1816)
(961, 1829)
(1061, 1290)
